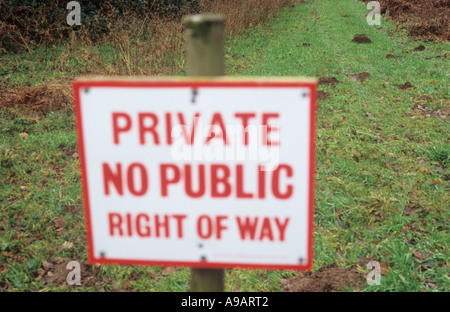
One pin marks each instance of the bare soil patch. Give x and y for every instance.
(427, 106)
(428, 112)
(428, 19)
(328, 81)
(55, 271)
(419, 48)
(361, 38)
(407, 85)
(322, 95)
(327, 279)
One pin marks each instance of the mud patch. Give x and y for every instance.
(327, 279)
(321, 95)
(428, 112)
(361, 38)
(360, 77)
(328, 81)
(407, 85)
(391, 56)
(424, 19)
(54, 271)
(43, 98)
(419, 48)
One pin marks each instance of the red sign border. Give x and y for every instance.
(78, 85)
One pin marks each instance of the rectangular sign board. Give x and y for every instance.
(202, 173)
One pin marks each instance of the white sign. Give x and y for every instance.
(212, 173)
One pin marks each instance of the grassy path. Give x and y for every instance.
(382, 163)
(382, 184)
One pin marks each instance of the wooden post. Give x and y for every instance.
(205, 49)
(205, 44)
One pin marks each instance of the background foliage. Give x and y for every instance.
(30, 22)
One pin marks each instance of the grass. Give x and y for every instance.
(382, 158)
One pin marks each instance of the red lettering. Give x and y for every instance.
(251, 228)
(189, 139)
(202, 220)
(240, 193)
(129, 225)
(217, 121)
(115, 222)
(179, 219)
(168, 129)
(143, 179)
(261, 182)
(111, 177)
(206, 226)
(220, 226)
(244, 119)
(216, 181)
(276, 182)
(188, 181)
(268, 128)
(246, 227)
(140, 227)
(148, 128)
(115, 178)
(148, 125)
(266, 230)
(117, 128)
(282, 227)
(164, 225)
(165, 181)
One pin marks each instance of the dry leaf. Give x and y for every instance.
(40, 273)
(167, 270)
(59, 223)
(47, 265)
(384, 269)
(67, 245)
(418, 254)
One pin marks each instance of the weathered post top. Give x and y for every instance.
(205, 44)
(205, 57)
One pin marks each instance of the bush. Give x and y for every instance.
(28, 23)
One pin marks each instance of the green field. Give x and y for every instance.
(383, 153)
